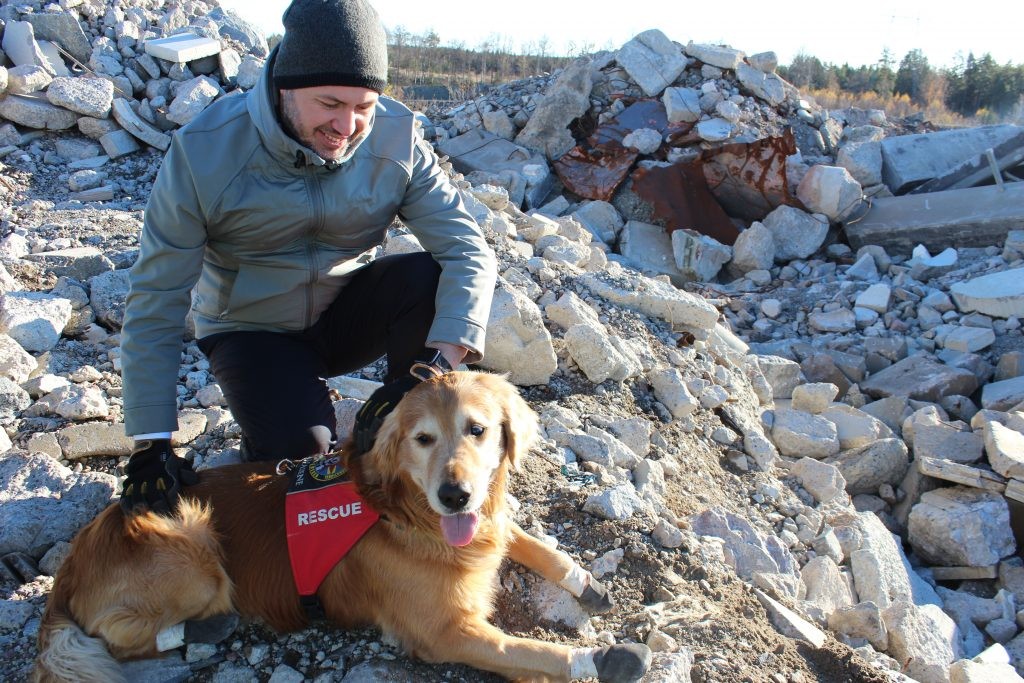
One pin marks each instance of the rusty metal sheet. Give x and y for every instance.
(594, 170)
(749, 178)
(595, 173)
(680, 196)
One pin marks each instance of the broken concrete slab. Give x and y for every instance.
(54, 58)
(63, 29)
(971, 217)
(650, 248)
(601, 219)
(231, 25)
(789, 623)
(881, 571)
(969, 339)
(27, 79)
(722, 57)
(1000, 295)
(978, 170)
(34, 111)
(682, 104)
(922, 378)
(652, 60)
(863, 160)
(830, 190)
(961, 526)
(909, 160)
(766, 86)
(1004, 448)
(119, 143)
(923, 639)
(884, 461)
(182, 48)
(959, 473)
(797, 234)
(191, 98)
(1003, 395)
(567, 99)
(478, 150)
(19, 43)
(655, 298)
(88, 96)
(133, 124)
(698, 257)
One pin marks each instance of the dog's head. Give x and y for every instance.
(451, 438)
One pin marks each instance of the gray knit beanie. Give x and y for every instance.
(331, 42)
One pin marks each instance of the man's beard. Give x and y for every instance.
(289, 115)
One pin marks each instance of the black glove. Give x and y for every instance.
(428, 364)
(155, 477)
(381, 402)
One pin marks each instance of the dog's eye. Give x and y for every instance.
(476, 430)
(424, 439)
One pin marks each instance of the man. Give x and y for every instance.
(271, 206)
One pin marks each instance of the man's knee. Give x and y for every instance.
(420, 270)
(280, 444)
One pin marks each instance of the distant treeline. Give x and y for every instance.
(977, 89)
(421, 60)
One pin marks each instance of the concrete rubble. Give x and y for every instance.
(867, 399)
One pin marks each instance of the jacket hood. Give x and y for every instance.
(263, 108)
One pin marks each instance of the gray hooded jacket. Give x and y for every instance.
(267, 233)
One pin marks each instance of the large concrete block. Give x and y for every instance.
(971, 217)
(909, 160)
(652, 60)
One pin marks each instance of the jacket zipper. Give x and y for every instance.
(318, 223)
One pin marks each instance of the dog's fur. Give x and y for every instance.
(129, 577)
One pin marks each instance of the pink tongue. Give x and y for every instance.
(458, 529)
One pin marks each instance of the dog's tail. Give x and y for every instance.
(67, 654)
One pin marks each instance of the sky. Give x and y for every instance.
(835, 32)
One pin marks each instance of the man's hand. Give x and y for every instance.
(155, 477)
(372, 414)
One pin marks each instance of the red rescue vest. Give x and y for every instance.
(324, 517)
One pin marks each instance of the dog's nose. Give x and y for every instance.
(453, 496)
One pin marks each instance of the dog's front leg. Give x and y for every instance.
(480, 644)
(556, 566)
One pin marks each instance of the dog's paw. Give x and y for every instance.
(595, 598)
(623, 663)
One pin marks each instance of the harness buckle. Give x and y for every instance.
(436, 365)
(284, 466)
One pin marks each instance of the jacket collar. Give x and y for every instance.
(263, 109)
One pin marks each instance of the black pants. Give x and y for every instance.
(275, 384)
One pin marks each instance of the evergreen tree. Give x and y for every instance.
(914, 77)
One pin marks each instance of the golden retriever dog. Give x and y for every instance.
(425, 573)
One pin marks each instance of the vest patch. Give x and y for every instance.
(324, 517)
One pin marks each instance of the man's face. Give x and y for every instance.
(327, 118)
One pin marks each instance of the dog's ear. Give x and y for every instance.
(519, 423)
(383, 459)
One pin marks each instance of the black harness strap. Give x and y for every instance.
(312, 607)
